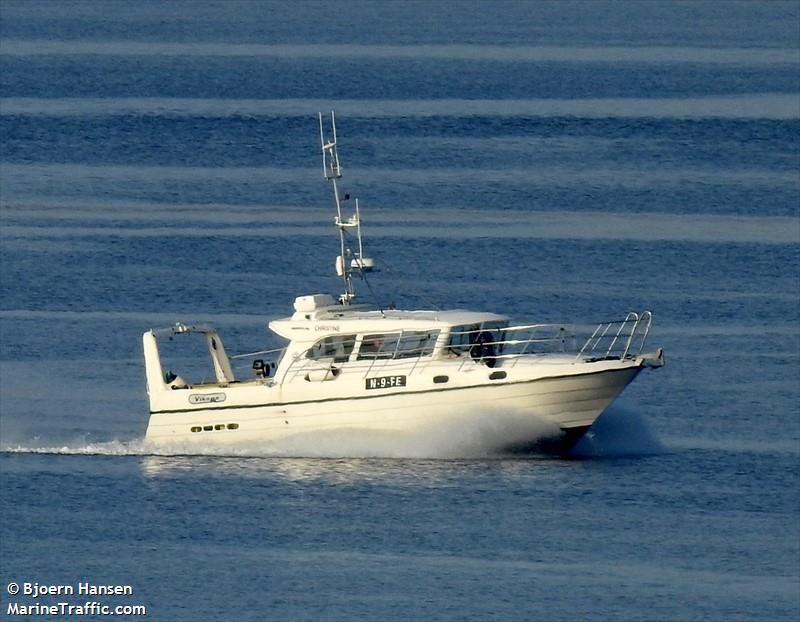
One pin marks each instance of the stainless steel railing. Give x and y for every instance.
(619, 338)
(501, 346)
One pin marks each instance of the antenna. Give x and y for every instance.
(358, 231)
(332, 171)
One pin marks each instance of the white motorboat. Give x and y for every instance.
(353, 367)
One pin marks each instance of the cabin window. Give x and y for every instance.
(462, 338)
(337, 347)
(406, 344)
(417, 343)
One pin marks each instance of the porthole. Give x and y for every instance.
(440, 379)
(197, 428)
(219, 426)
(497, 375)
(233, 426)
(208, 428)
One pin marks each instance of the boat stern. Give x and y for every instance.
(154, 372)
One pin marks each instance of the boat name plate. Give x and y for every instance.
(386, 382)
(326, 328)
(206, 398)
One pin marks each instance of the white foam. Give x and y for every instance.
(114, 447)
(468, 436)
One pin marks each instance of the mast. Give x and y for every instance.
(333, 171)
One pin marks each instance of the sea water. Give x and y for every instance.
(556, 162)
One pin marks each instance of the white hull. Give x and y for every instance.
(571, 402)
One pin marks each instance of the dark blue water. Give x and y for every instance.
(564, 161)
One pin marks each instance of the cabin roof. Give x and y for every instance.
(348, 320)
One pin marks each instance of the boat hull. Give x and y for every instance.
(565, 404)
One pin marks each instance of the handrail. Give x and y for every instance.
(646, 324)
(248, 354)
(616, 339)
(274, 355)
(630, 317)
(625, 338)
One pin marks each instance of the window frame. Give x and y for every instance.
(425, 345)
(340, 354)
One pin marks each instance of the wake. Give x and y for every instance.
(616, 434)
(468, 436)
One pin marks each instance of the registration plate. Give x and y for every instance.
(386, 382)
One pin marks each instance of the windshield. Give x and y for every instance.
(336, 347)
(406, 344)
